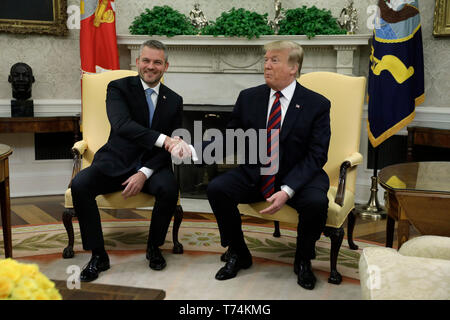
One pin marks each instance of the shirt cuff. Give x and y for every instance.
(148, 172)
(288, 190)
(160, 141)
(193, 153)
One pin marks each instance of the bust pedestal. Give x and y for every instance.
(22, 108)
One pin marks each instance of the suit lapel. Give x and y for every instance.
(161, 104)
(139, 93)
(262, 105)
(293, 111)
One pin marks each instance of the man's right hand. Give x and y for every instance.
(170, 143)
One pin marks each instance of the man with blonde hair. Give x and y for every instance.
(297, 122)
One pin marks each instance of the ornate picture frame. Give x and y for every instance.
(37, 16)
(441, 25)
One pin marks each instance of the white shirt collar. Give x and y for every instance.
(155, 89)
(287, 92)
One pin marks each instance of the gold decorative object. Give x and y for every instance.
(441, 18)
(348, 18)
(57, 26)
(275, 23)
(197, 17)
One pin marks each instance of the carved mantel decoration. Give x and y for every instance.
(220, 54)
(202, 66)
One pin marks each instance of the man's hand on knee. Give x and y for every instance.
(134, 184)
(278, 200)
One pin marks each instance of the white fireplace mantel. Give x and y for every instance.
(209, 54)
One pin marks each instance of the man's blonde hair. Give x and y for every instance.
(295, 52)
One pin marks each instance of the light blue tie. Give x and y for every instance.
(151, 106)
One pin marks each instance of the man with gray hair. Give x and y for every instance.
(143, 113)
(297, 121)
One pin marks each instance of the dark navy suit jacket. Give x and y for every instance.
(304, 136)
(131, 142)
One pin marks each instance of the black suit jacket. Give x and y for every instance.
(304, 136)
(131, 142)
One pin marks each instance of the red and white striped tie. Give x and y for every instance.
(273, 132)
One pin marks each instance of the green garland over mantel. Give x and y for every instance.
(165, 21)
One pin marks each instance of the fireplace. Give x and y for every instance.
(193, 179)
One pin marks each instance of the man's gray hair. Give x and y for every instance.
(295, 52)
(155, 44)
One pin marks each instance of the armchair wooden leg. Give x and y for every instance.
(350, 228)
(336, 236)
(178, 217)
(276, 231)
(68, 215)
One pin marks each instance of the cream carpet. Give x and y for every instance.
(191, 275)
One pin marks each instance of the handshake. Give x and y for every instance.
(178, 148)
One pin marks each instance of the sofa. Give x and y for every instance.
(420, 270)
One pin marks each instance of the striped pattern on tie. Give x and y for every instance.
(273, 132)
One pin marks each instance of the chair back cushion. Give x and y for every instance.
(346, 94)
(94, 121)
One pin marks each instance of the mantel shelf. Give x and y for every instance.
(320, 40)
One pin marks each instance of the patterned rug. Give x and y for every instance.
(196, 236)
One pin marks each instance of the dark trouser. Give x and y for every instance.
(90, 182)
(226, 191)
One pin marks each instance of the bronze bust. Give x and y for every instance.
(21, 79)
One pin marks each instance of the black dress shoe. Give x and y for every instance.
(156, 259)
(306, 278)
(225, 256)
(234, 264)
(96, 265)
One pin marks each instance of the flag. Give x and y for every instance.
(396, 72)
(98, 42)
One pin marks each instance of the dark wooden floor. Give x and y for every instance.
(48, 209)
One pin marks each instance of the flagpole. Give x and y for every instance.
(373, 210)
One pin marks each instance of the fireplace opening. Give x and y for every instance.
(193, 179)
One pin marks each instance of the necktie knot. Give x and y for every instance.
(278, 94)
(149, 91)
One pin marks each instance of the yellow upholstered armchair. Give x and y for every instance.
(346, 94)
(96, 129)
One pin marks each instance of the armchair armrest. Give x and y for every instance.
(354, 159)
(351, 161)
(78, 149)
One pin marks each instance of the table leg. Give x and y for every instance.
(402, 232)
(390, 224)
(6, 217)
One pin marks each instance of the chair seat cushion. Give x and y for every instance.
(336, 213)
(115, 200)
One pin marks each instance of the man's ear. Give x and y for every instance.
(32, 79)
(9, 78)
(294, 70)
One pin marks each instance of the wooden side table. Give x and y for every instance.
(5, 152)
(418, 194)
(41, 124)
(96, 291)
(423, 136)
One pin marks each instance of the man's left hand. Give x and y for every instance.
(134, 184)
(278, 200)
